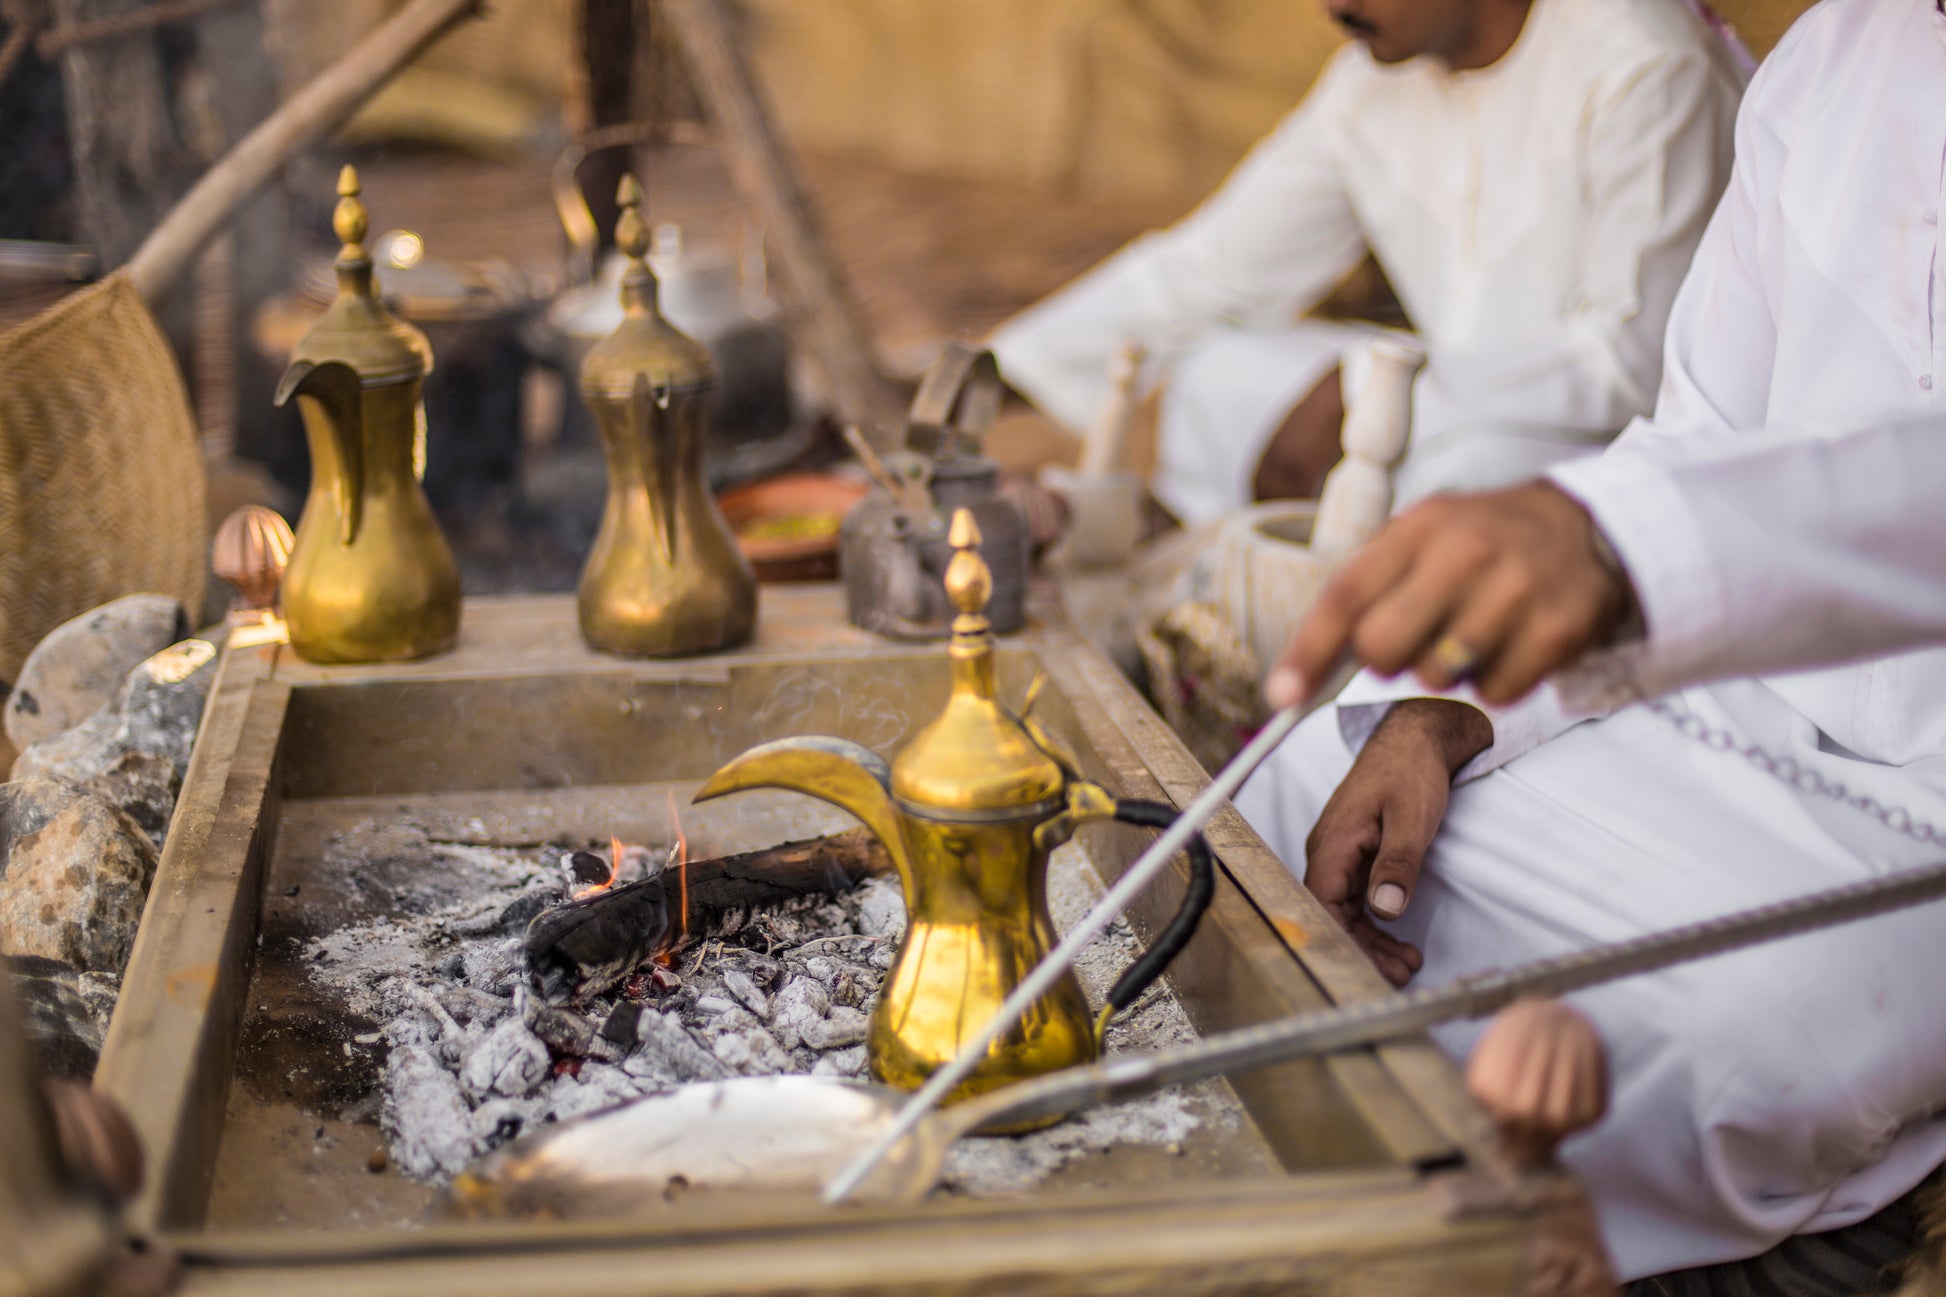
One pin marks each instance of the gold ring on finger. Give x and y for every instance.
(1452, 656)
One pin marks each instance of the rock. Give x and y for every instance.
(511, 1061)
(132, 753)
(62, 1025)
(79, 666)
(74, 874)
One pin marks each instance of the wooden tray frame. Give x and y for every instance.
(1398, 1195)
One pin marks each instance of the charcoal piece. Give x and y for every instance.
(586, 946)
(621, 1028)
(564, 1032)
(587, 869)
(511, 1061)
(743, 1045)
(521, 910)
(668, 1047)
(740, 984)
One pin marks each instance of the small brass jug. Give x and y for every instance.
(665, 578)
(371, 578)
(969, 811)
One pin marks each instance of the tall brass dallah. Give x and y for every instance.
(969, 812)
(665, 578)
(371, 578)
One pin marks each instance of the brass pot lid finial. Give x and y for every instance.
(645, 346)
(977, 756)
(969, 583)
(357, 330)
(349, 220)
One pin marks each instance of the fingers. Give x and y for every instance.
(1512, 577)
(1411, 820)
(1396, 960)
(1335, 864)
(1324, 636)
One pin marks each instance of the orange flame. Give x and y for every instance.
(615, 849)
(679, 853)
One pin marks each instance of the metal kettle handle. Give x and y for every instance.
(571, 202)
(957, 402)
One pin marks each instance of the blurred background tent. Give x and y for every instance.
(1111, 97)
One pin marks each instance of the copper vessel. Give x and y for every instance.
(969, 811)
(371, 578)
(665, 578)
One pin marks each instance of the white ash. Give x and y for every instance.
(476, 1059)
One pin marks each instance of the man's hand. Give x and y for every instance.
(1500, 588)
(1364, 853)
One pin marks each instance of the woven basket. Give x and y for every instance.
(101, 482)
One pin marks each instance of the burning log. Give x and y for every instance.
(591, 943)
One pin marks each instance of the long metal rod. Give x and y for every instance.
(1394, 1016)
(1051, 969)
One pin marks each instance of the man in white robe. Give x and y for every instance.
(1535, 215)
(1792, 1089)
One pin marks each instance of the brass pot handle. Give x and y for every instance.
(957, 402)
(1195, 903)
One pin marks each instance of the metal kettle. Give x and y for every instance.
(969, 812)
(893, 548)
(371, 577)
(665, 577)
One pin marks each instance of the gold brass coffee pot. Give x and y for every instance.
(665, 578)
(969, 812)
(371, 578)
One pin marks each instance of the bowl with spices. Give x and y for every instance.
(788, 526)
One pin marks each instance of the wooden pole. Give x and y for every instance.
(825, 319)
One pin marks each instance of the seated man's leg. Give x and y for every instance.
(1778, 1090)
(1224, 401)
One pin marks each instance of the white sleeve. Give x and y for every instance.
(1269, 244)
(1656, 150)
(1758, 553)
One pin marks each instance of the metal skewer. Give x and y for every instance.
(1059, 960)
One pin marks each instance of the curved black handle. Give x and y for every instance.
(1195, 902)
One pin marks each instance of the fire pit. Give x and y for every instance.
(341, 994)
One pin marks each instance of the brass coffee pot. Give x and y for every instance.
(371, 578)
(969, 812)
(665, 578)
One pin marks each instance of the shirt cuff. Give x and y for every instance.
(1517, 730)
(1642, 513)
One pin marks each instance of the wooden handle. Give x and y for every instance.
(321, 106)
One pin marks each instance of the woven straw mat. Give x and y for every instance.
(101, 481)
